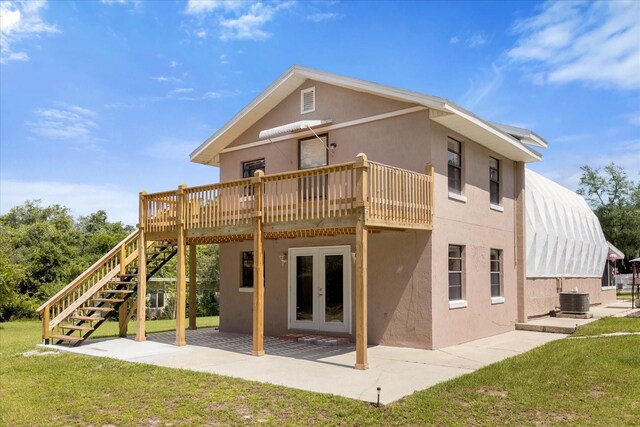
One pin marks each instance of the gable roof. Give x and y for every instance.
(493, 136)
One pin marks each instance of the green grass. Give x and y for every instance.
(609, 325)
(565, 382)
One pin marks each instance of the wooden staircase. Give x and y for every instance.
(105, 289)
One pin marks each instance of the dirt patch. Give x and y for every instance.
(595, 393)
(635, 314)
(493, 393)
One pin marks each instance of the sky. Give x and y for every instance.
(102, 99)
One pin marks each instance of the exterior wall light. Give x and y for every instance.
(283, 259)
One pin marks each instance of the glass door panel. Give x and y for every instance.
(304, 288)
(334, 289)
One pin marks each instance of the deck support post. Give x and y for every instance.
(362, 211)
(181, 298)
(46, 333)
(258, 269)
(193, 300)
(520, 238)
(141, 298)
(123, 309)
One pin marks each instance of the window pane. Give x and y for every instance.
(453, 145)
(334, 289)
(495, 254)
(249, 168)
(304, 288)
(453, 158)
(493, 163)
(455, 279)
(494, 188)
(495, 266)
(247, 269)
(313, 152)
(455, 293)
(495, 290)
(493, 175)
(455, 251)
(455, 183)
(455, 265)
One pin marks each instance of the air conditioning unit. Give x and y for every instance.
(574, 302)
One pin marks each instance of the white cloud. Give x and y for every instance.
(224, 59)
(20, 20)
(454, 40)
(590, 42)
(160, 79)
(135, 3)
(174, 64)
(201, 33)
(82, 199)
(478, 91)
(68, 122)
(476, 40)
(237, 20)
(633, 118)
(322, 17)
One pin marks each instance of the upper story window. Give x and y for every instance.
(313, 153)
(494, 181)
(454, 153)
(249, 168)
(496, 272)
(456, 253)
(308, 100)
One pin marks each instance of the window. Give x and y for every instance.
(455, 272)
(308, 100)
(246, 279)
(249, 168)
(313, 153)
(496, 273)
(455, 166)
(247, 270)
(494, 181)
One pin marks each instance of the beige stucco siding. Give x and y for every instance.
(408, 271)
(543, 293)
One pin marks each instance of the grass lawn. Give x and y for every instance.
(571, 382)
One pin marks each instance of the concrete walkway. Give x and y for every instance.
(398, 371)
(565, 325)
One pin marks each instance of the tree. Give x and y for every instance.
(615, 199)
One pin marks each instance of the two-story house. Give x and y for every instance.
(347, 208)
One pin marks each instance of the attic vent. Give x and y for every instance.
(308, 100)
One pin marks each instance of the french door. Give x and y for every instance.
(320, 288)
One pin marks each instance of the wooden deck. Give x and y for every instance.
(313, 202)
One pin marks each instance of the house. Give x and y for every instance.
(346, 208)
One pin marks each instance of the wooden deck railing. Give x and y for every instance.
(395, 198)
(79, 291)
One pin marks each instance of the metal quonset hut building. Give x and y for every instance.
(566, 249)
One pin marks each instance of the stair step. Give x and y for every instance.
(67, 338)
(127, 275)
(87, 318)
(110, 300)
(116, 291)
(103, 309)
(76, 327)
(123, 282)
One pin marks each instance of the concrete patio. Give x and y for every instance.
(398, 371)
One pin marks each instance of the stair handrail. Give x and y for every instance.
(76, 282)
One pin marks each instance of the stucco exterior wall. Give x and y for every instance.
(408, 271)
(479, 228)
(542, 294)
(399, 278)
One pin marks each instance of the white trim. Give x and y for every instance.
(608, 288)
(245, 289)
(496, 207)
(350, 123)
(457, 197)
(458, 303)
(497, 300)
(302, 93)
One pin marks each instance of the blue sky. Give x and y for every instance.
(99, 100)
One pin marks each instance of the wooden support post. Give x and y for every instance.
(193, 300)
(258, 270)
(520, 240)
(431, 171)
(362, 208)
(124, 307)
(181, 297)
(46, 333)
(141, 310)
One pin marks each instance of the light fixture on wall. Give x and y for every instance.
(353, 257)
(283, 259)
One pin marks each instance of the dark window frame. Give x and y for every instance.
(454, 182)
(250, 172)
(456, 294)
(494, 182)
(246, 272)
